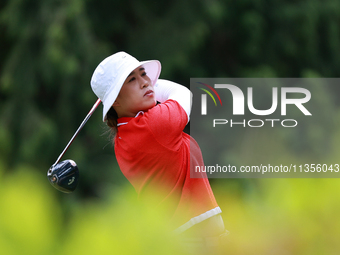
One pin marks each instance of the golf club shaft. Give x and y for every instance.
(94, 107)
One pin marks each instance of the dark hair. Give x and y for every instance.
(112, 121)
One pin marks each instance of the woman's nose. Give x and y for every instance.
(143, 82)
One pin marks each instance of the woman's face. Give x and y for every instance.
(137, 94)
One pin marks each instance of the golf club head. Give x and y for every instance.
(64, 176)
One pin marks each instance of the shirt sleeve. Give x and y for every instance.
(166, 122)
(165, 90)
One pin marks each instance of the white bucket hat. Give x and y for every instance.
(109, 76)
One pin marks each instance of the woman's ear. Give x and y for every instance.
(115, 103)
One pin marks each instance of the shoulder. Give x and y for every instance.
(162, 125)
(170, 112)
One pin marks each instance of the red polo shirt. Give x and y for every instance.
(154, 153)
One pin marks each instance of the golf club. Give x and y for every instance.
(64, 175)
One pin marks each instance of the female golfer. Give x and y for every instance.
(148, 116)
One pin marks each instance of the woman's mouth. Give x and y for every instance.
(149, 93)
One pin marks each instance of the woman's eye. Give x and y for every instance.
(144, 73)
(132, 79)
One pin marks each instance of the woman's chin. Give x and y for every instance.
(151, 104)
(148, 106)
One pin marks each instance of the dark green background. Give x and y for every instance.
(48, 51)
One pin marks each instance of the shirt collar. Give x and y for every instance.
(125, 120)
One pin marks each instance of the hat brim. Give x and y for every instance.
(152, 68)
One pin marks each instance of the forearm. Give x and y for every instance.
(165, 90)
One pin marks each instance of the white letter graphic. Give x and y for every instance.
(262, 112)
(238, 97)
(297, 101)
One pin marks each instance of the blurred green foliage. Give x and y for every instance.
(32, 221)
(49, 49)
(274, 216)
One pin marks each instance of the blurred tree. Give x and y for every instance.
(49, 49)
